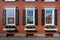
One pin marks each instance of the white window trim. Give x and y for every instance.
(14, 15)
(33, 15)
(54, 29)
(30, 0)
(30, 29)
(52, 16)
(49, 1)
(10, 0)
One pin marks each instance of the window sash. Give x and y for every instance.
(33, 16)
(10, 16)
(52, 17)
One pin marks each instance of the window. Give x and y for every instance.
(49, 0)
(49, 16)
(30, 16)
(10, 16)
(29, 0)
(10, 0)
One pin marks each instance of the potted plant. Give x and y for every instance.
(30, 26)
(9, 27)
(6, 26)
(50, 26)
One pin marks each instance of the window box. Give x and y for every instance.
(10, 27)
(33, 29)
(50, 28)
(30, 28)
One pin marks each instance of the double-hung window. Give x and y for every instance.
(49, 16)
(10, 15)
(10, 0)
(30, 16)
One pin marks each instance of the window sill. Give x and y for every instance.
(11, 25)
(9, 29)
(10, 1)
(50, 29)
(49, 24)
(28, 25)
(32, 29)
(49, 1)
(30, 1)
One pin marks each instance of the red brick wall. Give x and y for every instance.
(21, 5)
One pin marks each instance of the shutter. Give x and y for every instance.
(16, 0)
(2, 0)
(42, 0)
(56, 0)
(36, 17)
(4, 17)
(23, 0)
(43, 17)
(55, 19)
(36, 0)
(17, 17)
(24, 17)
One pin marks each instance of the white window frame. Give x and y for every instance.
(33, 15)
(49, 0)
(30, 0)
(52, 15)
(14, 15)
(10, 0)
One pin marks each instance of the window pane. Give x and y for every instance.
(10, 16)
(48, 16)
(30, 17)
(10, 12)
(10, 20)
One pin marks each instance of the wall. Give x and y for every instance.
(21, 5)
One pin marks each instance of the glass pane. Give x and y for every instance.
(10, 20)
(48, 16)
(10, 16)
(10, 12)
(30, 17)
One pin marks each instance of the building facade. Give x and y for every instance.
(25, 17)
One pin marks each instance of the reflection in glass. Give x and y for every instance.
(48, 16)
(30, 17)
(10, 16)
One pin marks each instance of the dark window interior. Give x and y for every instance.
(29, 35)
(49, 35)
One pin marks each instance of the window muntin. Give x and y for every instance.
(10, 16)
(49, 16)
(30, 16)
